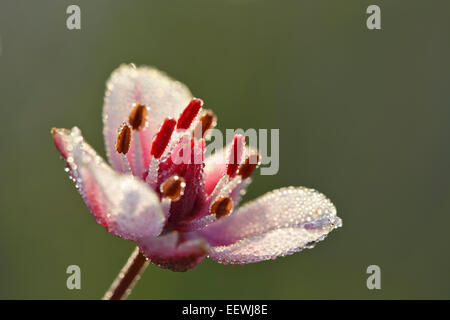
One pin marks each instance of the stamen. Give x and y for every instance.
(138, 117)
(162, 138)
(123, 141)
(152, 173)
(189, 114)
(173, 188)
(247, 168)
(138, 156)
(207, 121)
(237, 150)
(222, 206)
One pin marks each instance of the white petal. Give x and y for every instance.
(281, 222)
(128, 85)
(125, 205)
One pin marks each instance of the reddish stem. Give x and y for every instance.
(130, 273)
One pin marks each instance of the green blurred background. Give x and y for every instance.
(363, 117)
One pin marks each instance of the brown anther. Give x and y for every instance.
(173, 188)
(207, 120)
(123, 139)
(222, 206)
(247, 168)
(138, 117)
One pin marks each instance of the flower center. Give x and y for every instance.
(222, 206)
(123, 139)
(138, 117)
(173, 188)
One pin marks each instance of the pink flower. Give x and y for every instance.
(179, 212)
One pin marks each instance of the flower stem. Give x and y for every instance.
(128, 276)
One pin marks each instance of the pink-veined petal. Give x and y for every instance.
(215, 168)
(280, 222)
(123, 204)
(129, 85)
(173, 251)
(216, 165)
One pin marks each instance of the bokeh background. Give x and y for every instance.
(363, 117)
